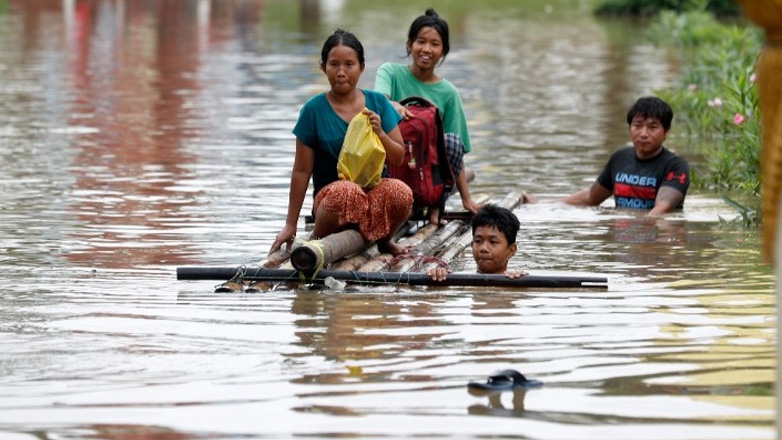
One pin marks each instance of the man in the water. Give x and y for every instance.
(646, 176)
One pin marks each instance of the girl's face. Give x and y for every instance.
(342, 69)
(427, 48)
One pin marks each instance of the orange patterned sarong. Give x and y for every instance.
(374, 211)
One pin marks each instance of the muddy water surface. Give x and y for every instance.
(137, 137)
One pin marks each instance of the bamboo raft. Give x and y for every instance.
(347, 257)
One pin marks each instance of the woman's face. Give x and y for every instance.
(342, 69)
(427, 48)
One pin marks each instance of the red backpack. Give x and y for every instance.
(425, 169)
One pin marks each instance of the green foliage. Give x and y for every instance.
(716, 100)
(653, 7)
(690, 29)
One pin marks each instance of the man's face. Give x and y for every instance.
(491, 250)
(648, 136)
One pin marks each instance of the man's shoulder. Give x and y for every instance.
(670, 153)
(674, 159)
(625, 152)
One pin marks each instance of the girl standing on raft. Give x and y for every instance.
(428, 43)
(320, 131)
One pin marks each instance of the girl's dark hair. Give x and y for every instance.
(651, 107)
(343, 38)
(429, 19)
(501, 218)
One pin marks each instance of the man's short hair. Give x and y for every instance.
(651, 107)
(501, 218)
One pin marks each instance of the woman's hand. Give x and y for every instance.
(374, 121)
(287, 235)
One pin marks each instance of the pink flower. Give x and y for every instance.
(716, 102)
(738, 118)
(753, 77)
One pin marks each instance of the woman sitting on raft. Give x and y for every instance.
(428, 44)
(320, 131)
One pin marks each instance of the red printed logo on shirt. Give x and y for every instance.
(672, 176)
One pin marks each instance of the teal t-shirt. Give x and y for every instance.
(319, 127)
(397, 82)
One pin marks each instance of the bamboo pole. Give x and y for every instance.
(410, 278)
(427, 247)
(316, 254)
(381, 261)
(356, 261)
(276, 258)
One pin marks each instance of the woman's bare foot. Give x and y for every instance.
(434, 215)
(389, 246)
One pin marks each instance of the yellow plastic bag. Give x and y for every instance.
(362, 156)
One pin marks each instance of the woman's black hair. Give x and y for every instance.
(501, 218)
(651, 107)
(344, 38)
(429, 19)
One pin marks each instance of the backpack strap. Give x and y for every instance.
(446, 173)
(417, 100)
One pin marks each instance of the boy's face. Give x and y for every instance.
(491, 250)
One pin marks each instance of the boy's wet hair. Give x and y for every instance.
(651, 107)
(501, 218)
(341, 37)
(429, 19)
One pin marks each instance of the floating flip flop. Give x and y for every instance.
(505, 380)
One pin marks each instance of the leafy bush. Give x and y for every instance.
(653, 7)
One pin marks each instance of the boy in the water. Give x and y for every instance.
(493, 242)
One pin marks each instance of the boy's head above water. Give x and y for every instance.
(494, 238)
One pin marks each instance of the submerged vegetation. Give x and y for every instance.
(715, 96)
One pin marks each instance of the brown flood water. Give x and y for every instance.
(140, 136)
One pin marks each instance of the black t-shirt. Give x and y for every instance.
(635, 182)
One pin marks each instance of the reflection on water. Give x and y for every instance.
(136, 137)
